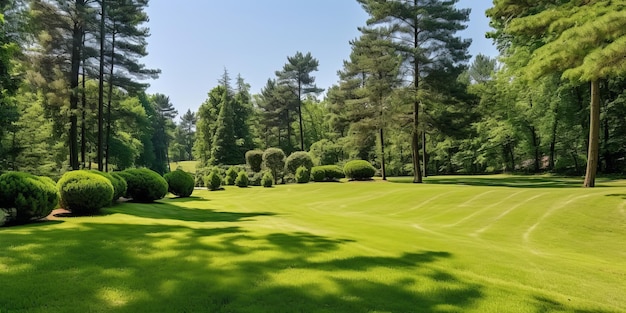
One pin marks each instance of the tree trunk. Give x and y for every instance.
(533, 134)
(594, 134)
(382, 153)
(424, 155)
(417, 172)
(100, 152)
(83, 128)
(77, 40)
(110, 96)
(553, 140)
(300, 115)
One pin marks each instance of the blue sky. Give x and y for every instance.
(192, 42)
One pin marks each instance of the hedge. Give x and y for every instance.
(326, 173)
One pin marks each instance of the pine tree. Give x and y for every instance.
(425, 36)
(585, 41)
(224, 149)
(297, 75)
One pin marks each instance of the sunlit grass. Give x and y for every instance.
(454, 244)
(187, 166)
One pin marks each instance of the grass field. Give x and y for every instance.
(457, 244)
(187, 166)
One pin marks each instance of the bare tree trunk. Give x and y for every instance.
(424, 155)
(77, 40)
(111, 80)
(83, 131)
(100, 152)
(594, 135)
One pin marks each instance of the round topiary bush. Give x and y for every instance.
(119, 184)
(242, 179)
(274, 160)
(231, 176)
(298, 159)
(120, 189)
(213, 181)
(326, 173)
(303, 175)
(267, 180)
(254, 159)
(144, 185)
(180, 183)
(84, 192)
(25, 197)
(359, 170)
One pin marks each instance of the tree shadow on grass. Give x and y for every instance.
(162, 210)
(175, 199)
(172, 268)
(508, 181)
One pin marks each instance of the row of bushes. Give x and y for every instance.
(24, 197)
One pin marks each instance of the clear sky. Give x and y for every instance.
(193, 41)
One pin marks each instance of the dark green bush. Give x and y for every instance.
(24, 197)
(267, 180)
(254, 159)
(298, 159)
(84, 192)
(325, 152)
(254, 179)
(180, 183)
(213, 181)
(303, 175)
(242, 179)
(144, 185)
(231, 176)
(274, 160)
(326, 173)
(121, 186)
(119, 183)
(359, 170)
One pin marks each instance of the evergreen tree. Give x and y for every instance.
(297, 75)
(163, 123)
(598, 29)
(424, 32)
(224, 149)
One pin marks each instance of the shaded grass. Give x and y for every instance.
(351, 247)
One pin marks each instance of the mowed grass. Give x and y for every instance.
(458, 244)
(187, 166)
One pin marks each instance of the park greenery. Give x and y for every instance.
(361, 197)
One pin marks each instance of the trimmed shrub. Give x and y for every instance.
(298, 159)
(144, 185)
(254, 159)
(267, 180)
(254, 179)
(85, 192)
(180, 183)
(24, 197)
(119, 184)
(231, 176)
(274, 160)
(242, 180)
(303, 175)
(359, 170)
(213, 181)
(325, 152)
(326, 173)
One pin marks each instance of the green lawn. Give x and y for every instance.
(457, 244)
(187, 166)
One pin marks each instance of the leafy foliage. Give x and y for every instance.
(25, 197)
(254, 159)
(180, 183)
(359, 170)
(274, 160)
(267, 180)
(298, 159)
(118, 183)
(231, 176)
(85, 192)
(144, 185)
(213, 181)
(303, 175)
(242, 179)
(326, 173)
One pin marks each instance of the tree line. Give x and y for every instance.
(408, 99)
